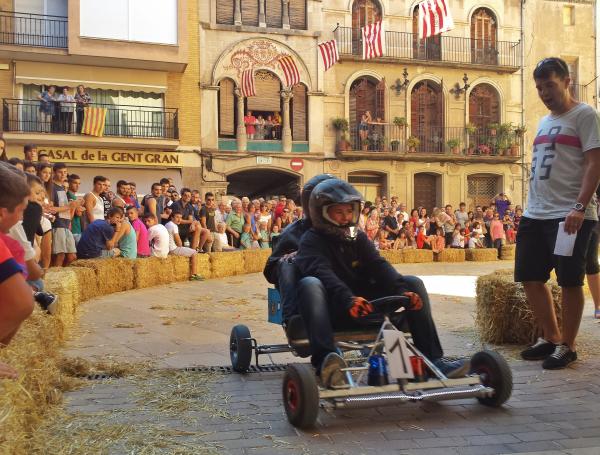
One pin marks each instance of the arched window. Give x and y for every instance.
(484, 36)
(427, 48)
(427, 116)
(364, 12)
(366, 94)
(227, 111)
(299, 107)
(484, 106)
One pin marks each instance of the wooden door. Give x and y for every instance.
(364, 12)
(484, 47)
(425, 191)
(427, 48)
(484, 108)
(427, 118)
(363, 94)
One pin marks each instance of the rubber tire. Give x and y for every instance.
(299, 379)
(240, 348)
(499, 376)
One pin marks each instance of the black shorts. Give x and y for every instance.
(591, 257)
(535, 258)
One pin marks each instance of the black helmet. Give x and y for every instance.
(328, 193)
(307, 189)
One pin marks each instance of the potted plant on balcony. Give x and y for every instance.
(484, 149)
(340, 125)
(395, 145)
(400, 121)
(364, 144)
(453, 145)
(515, 146)
(520, 130)
(470, 128)
(412, 143)
(493, 128)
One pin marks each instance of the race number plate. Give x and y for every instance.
(398, 355)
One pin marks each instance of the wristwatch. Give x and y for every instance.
(579, 207)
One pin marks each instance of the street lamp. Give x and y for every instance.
(401, 85)
(458, 90)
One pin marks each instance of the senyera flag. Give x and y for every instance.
(329, 53)
(373, 38)
(434, 18)
(290, 71)
(94, 119)
(248, 88)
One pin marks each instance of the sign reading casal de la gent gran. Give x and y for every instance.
(95, 156)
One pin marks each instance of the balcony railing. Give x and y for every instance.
(433, 140)
(26, 29)
(442, 48)
(25, 116)
(580, 93)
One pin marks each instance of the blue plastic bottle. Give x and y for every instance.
(377, 371)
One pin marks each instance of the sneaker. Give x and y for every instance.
(47, 301)
(453, 369)
(196, 278)
(560, 358)
(332, 376)
(539, 351)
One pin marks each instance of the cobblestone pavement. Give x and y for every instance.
(549, 413)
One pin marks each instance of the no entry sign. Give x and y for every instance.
(296, 164)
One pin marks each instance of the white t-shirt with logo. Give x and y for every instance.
(158, 236)
(173, 229)
(558, 166)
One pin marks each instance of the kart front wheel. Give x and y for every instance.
(494, 372)
(240, 348)
(300, 396)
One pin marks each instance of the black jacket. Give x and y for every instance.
(287, 243)
(347, 269)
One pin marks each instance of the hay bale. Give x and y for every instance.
(508, 252)
(203, 265)
(152, 272)
(227, 264)
(181, 267)
(503, 314)
(255, 260)
(481, 254)
(412, 255)
(63, 283)
(112, 275)
(392, 256)
(450, 255)
(86, 282)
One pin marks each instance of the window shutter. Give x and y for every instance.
(226, 108)
(298, 14)
(225, 12)
(249, 12)
(299, 117)
(273, 11)
(268, 96)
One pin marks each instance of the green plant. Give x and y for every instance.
(340, 124)
(493, 126)
(451, 143)
(400, 121)
(470, 128)
(505, 128)
(413, 142)
(365, 141)
(520, 130)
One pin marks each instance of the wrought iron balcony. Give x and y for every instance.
(37, 30)
(442, 48)
(429, 140)
(26, 116)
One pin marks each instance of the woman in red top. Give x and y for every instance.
(250, 122)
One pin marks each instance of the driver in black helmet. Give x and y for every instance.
(342, 270)
(280, 269)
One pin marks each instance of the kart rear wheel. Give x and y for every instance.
(495, 373)
(300, 396)
(240, 348)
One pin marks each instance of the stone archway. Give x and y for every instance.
(262, 182)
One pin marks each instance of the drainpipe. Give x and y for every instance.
(523, 102)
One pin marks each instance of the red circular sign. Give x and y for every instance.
(296, 164)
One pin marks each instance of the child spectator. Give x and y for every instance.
(509, 228)
(458, 237)
(247, 241)
(264, 235)
(475, 240)
(438, 241)
(141, 232)
(176, 247)
(98, 240)
(517, 219)
(402, 242)
(158, 236)
(382, 242)
(275, 234)
(423, 241)
(497, 233)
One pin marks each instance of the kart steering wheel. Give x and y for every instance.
(390, 304)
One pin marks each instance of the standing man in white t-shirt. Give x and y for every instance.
(565, 171)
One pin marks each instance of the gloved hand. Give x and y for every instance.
(415, 301)
(360, 308)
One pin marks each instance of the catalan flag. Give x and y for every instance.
(94, 119)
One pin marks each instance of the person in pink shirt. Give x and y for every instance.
(141, 233)
(250, 122)
(497, 232)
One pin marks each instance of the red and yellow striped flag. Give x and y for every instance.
(93, 121)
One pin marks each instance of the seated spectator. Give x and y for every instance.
(475, 240)
(247, 241)
(235, 223)
(157, 235)
(372, 224)
(128, 240)
(382, 242)
(390, 225)
(141, 232)
(422, 239)
(438, 241)
(458, 237)
(176, 247)
(100, 238)
(220, 239)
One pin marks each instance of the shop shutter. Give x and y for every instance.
(225, 12)
(226, 108)
(299, 110)
(268, 93)
(249, 12)
(298, 14)
(273, 12)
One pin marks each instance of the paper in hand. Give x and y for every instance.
(564, 242)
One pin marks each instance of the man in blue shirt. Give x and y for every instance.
(100, 237)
